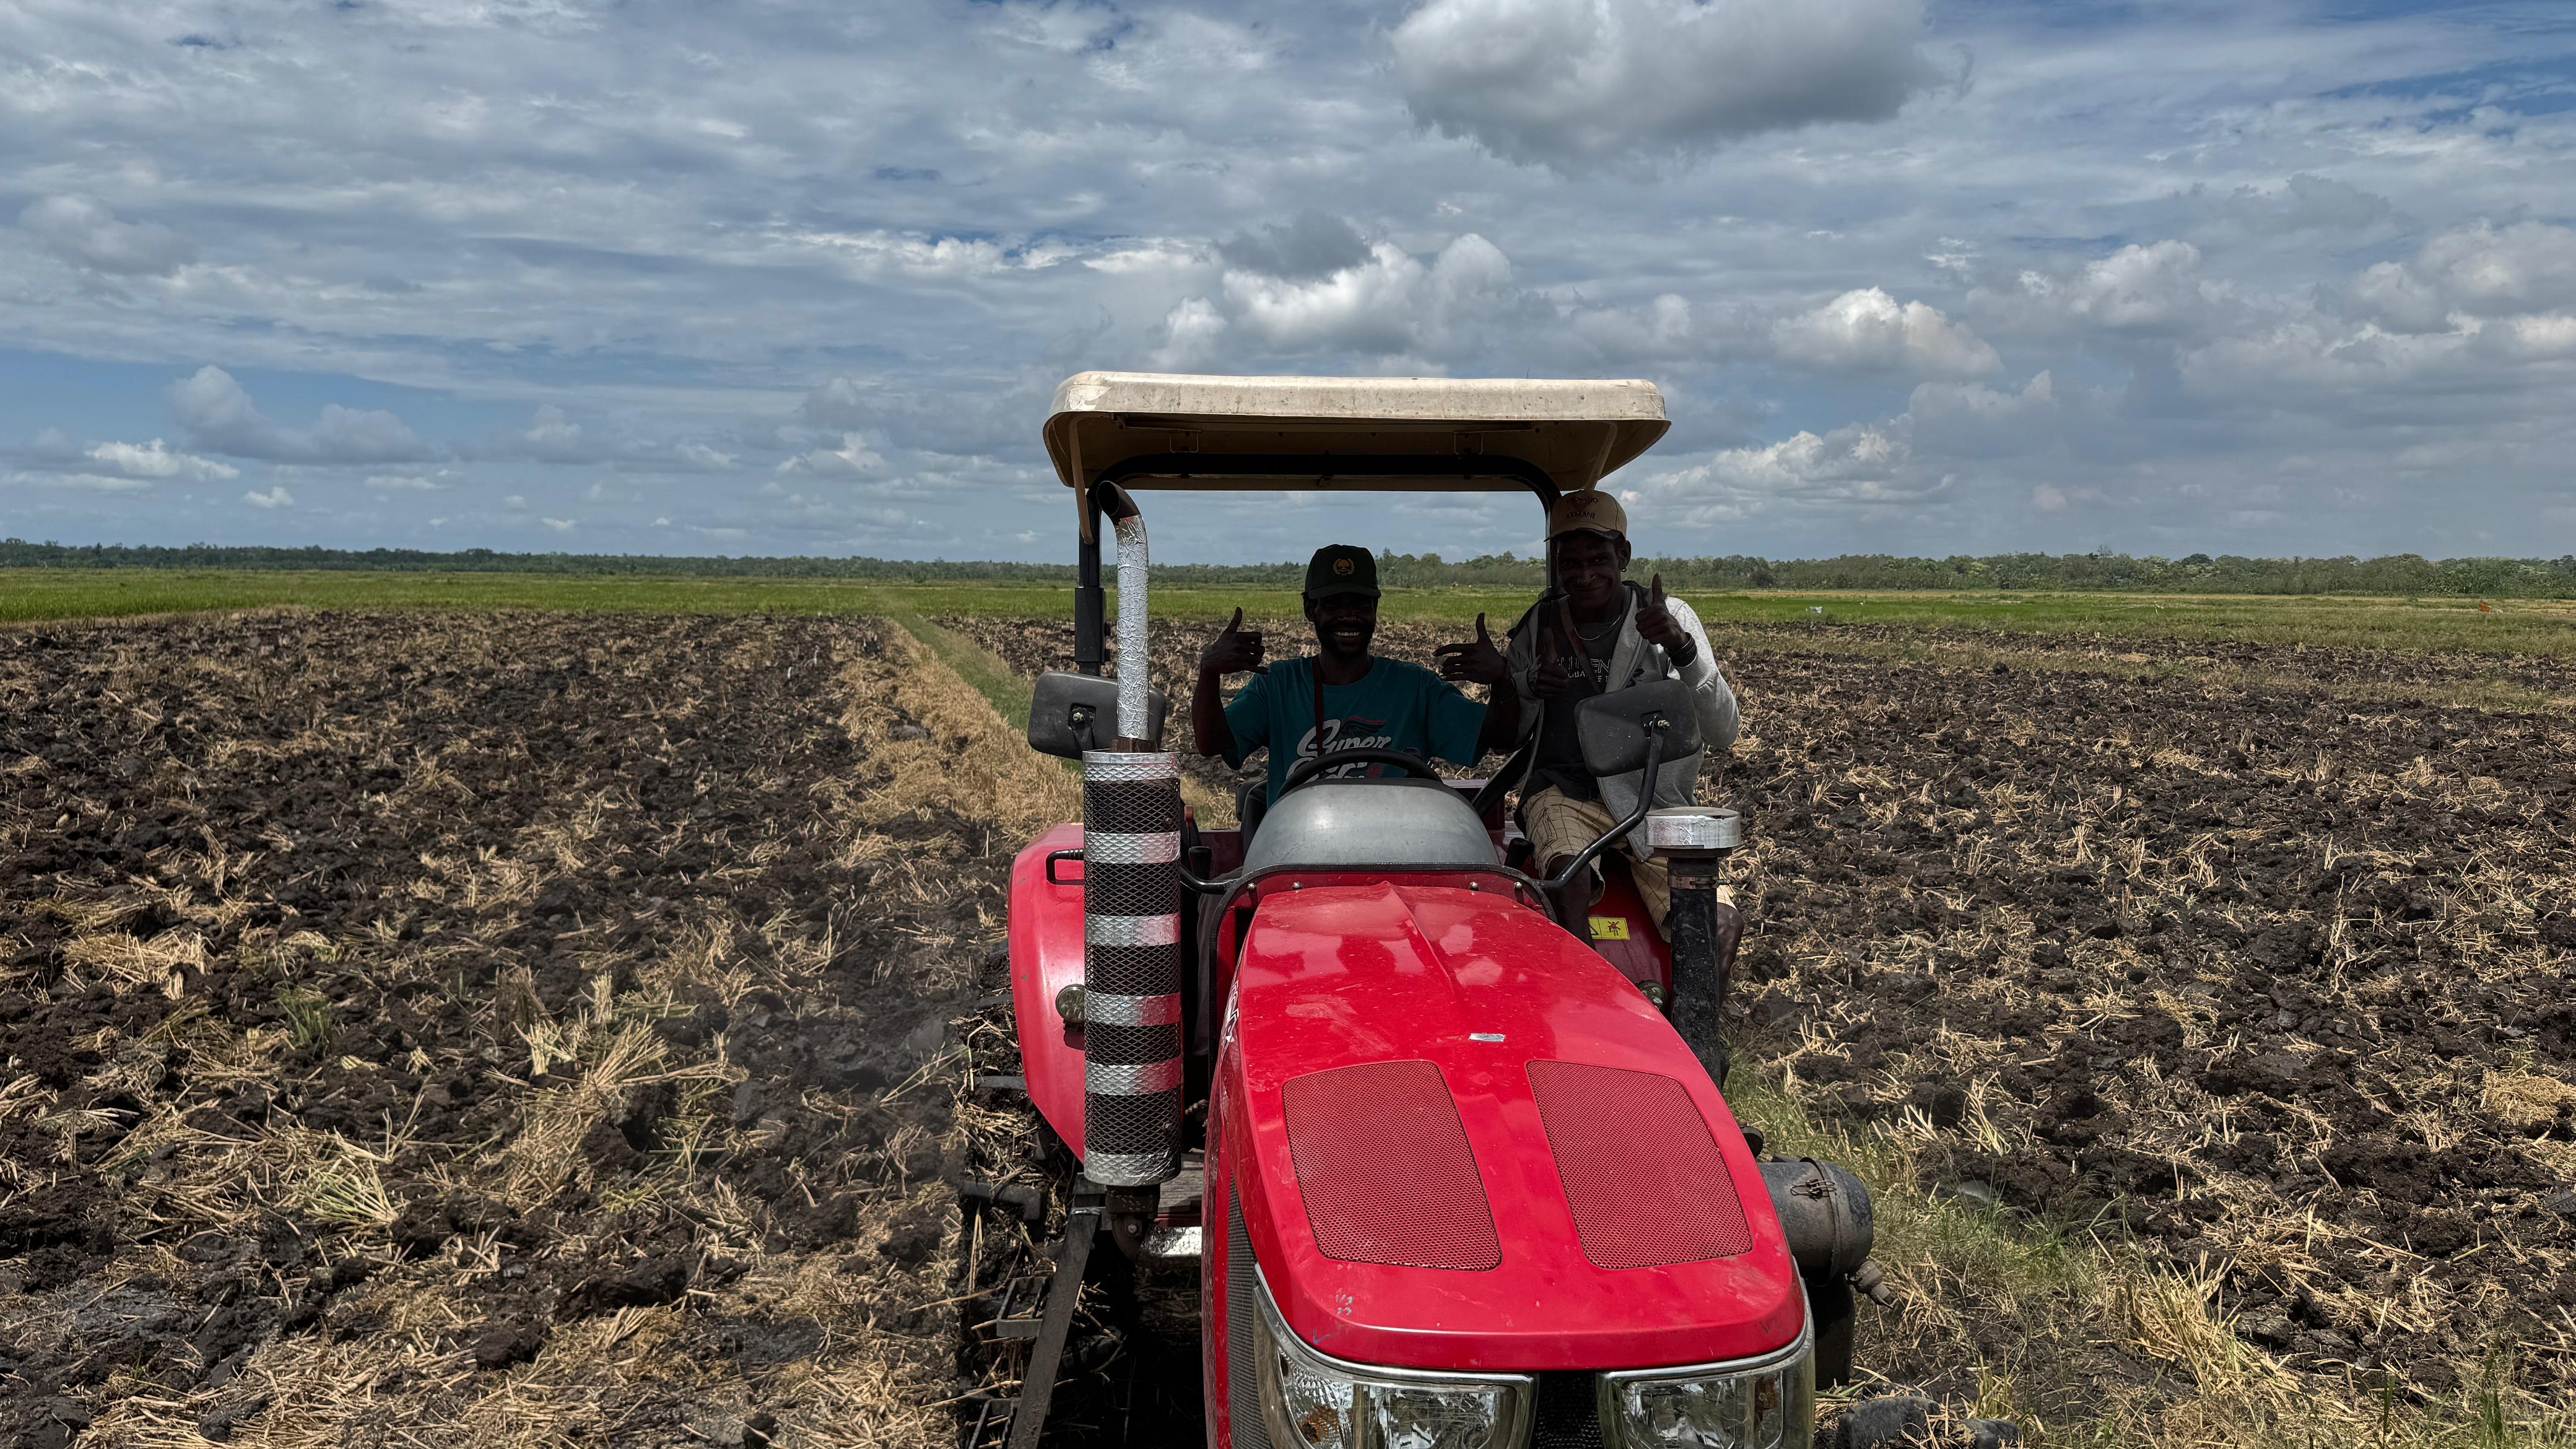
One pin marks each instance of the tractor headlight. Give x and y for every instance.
(1768, 1404)
(1315, 1402)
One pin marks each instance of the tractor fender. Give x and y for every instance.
(1825, 1213)
(1046, 957)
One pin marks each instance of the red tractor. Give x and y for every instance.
(1452, 1173)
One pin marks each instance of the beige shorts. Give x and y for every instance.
(1559, 828)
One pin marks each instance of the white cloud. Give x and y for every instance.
(402, 483)
(1667, 327)
(1573, 83)
(2052, 498)
(552, 437)
(2495, 272)
(1192, 334)
(853, 459)
(2392, 295)
(871, 255)
(218, 416)
(1971, 420)
(2479, 271)
(157, 460)
(1859, 454)
(2152, 289)
(1976, 400)
(82, 231)
(2478, 305)
(707, 460)
(2539, 336)
(1868, 330)
(1862, 468)
(2259, 367)
(559, 525)
(275, 497)
(838, 402)
(1393, 304)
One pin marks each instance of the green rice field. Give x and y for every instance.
(2506, 627)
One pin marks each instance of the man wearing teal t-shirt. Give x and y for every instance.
(1343, 698)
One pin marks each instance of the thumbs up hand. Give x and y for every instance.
(1656, 625)
(1556, 675)
(1233, 650)
(1477, 661)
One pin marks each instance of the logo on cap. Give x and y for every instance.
(1344, 567)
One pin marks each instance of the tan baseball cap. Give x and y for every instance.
(1587, 510)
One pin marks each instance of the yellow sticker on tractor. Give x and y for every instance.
(1609, 928)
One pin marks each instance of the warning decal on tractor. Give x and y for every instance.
(1609, 928)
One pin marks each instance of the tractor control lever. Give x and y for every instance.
(1656, 726)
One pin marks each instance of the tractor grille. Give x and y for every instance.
(1641, 1170)
(1386, 1170)
(1242, 1375)
(1569, 1413)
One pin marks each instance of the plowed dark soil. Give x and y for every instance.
(2273, 981)
(2267, 977)
(472, 1029)
(512, 1029)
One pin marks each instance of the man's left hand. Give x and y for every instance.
(1656, 625)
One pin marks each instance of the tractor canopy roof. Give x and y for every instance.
(1170, 430)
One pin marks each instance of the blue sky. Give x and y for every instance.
(798, 277)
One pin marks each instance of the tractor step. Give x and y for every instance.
(1173, 1247)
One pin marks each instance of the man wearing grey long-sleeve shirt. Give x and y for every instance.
(1595, 634)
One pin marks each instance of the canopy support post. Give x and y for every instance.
(1090, 605)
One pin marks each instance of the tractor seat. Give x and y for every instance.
(1403, 823)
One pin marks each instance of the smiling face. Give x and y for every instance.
(1344, 624)
(1588, 566)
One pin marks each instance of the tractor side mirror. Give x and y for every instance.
(1613, 728)
(1071, 713)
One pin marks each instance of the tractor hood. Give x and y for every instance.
(1463, 1140)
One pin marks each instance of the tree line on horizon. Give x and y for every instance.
(2396, 574)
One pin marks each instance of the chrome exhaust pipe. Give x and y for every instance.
(1131, 902)
(1135, 720)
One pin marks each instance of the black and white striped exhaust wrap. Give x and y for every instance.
(1131, 994)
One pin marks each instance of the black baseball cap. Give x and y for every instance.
(1341, 568)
